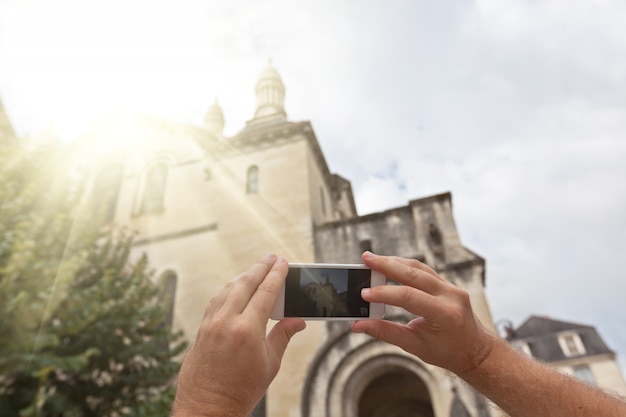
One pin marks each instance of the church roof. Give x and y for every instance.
(541, 334)
(541, 326)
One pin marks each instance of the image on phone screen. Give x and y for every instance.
(326, 292)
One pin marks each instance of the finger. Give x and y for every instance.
(411, 299)
(278, 339)
(413, 263)
(216, 302)
(419, 265)
(387, 331)
(264, 298)
(243, 287)
(414, 274)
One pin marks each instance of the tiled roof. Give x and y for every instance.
(541, 335)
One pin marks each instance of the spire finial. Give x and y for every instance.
(270, 93)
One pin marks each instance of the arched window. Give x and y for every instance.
(106, 190)
(168, 282)
(252, 180)
(154, 190)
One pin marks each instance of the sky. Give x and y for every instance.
(518, 108)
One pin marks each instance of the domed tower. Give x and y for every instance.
(270, 94)
(214, 120)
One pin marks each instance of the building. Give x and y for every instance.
(572, 348)
(206, 206)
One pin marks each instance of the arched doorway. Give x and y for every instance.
(396, 393)
(358, 376)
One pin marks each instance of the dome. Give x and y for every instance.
(270, 94)
(270, 73)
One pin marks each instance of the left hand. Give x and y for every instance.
(232, 362)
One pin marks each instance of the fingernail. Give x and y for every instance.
(356, 329)
(269, 257)
(368, 254)
(365, 292)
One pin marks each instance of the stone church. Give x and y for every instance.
(206, 206)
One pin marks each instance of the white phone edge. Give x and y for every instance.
(377, 310)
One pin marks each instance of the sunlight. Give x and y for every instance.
(258, 215)
(72, 62)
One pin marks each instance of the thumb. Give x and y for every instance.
(279, 337)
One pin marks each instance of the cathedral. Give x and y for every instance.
(205, 206)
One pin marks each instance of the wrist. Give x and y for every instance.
(482, 354)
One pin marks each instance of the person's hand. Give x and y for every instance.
(446, 332)
(232, 362)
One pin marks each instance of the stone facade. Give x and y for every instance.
(355, 375)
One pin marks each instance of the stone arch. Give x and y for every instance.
(359, 380)
(126, 159)
(351, 366)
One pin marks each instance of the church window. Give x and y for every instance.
(522, 347)
(154, 191)
(252, 180)
(106, 191)
(583, 372)
(168, 282)
(434, 233)
(571, 344)
(323, 200)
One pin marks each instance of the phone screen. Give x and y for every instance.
(326, 292)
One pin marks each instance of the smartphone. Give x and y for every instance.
(328, 292)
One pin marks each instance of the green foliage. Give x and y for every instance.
(82, 327)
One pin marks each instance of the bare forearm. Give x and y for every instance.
(523, 387)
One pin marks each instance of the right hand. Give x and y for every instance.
(446, 332)
(233, 360)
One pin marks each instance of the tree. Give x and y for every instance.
(83, 329)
